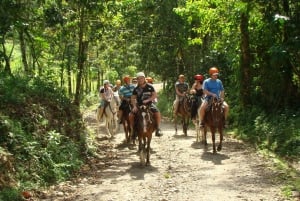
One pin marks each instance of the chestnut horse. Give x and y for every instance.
(183, 111)
(125, 120)
(145, 125)
(214, 120)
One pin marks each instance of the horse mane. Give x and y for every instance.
(214, 116)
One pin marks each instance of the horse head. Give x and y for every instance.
(188, 102)
(217, 111)
(146, 117)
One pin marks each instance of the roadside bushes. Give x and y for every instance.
(277, 131)
(40, 134)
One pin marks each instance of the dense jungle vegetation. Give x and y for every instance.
(54, 55)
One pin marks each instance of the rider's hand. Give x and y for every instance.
(146, 101)
(134, 109)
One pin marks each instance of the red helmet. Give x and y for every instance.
(199, 77)
(213, 70)
(126, 78)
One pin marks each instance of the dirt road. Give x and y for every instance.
(180, 169)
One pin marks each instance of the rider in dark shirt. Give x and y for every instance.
(142, 94)
(197, 91)
(181, 88)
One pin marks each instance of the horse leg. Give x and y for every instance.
(175, 123)
(186, 125)
(204, 136)
(107, 125)
(148, 150)
(213, 136)
(197, 131)
(142, 149)
(221, 139)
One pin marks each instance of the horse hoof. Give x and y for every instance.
(219, 148)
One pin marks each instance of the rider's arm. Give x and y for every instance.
(193, 89)
(101, 95)
(222, 94)
(151, 98)
(206, 92)
(178, 92)
(133, 100)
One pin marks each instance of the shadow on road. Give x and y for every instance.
(215, 158)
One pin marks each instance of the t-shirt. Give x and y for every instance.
(126, 90)
(213, 86)
(108, 93)
(143, 93)
(182, 87)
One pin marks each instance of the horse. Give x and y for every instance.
(145, 125)
(214, 120)
(184, 111)
(110, 114)
(125, 120)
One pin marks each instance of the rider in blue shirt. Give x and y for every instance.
(212, 87)
(125, 93)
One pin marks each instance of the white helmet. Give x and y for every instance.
(140, 74)
(105, 82)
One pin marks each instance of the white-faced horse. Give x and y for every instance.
(111, 108)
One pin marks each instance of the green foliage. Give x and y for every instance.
(11, 194)
(165, 103)
(40, 131)
(278, 132)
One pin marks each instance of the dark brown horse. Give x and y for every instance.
(184, 112)
(125, 120)
(214, 120)
(145, 125)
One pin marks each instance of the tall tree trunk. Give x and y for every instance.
(23, 51)
(7, 68)
(245, 62)
(69, 72)
(81, 59)
(288, 85)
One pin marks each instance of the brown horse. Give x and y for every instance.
(125, 120)
(214, 120)
(183, 111)
(145, 125)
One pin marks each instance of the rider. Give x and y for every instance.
(149, 80)
(134, 81)
(181, 88)
(117, 86)
(125, 93)
(106, 94)
(144, 93)
(197, 91)
(213, 87)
